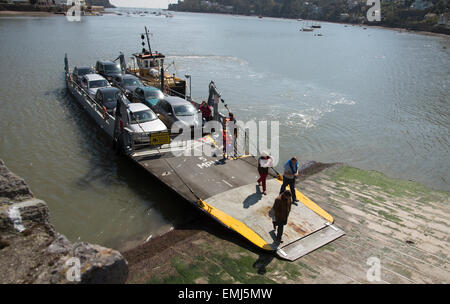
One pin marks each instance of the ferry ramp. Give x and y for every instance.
(227, 191)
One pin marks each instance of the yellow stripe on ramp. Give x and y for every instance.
(236, 225)
(310, 204)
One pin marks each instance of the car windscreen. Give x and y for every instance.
(112, 68)
(142, 116)
(131, 82)
(184, 110)
(110, 96)
(84, 71)
(153, 94)
(98, 83)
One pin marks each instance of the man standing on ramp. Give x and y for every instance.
(289, 176)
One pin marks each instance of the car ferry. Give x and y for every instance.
(222, 187)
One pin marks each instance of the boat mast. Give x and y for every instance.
(148, 41)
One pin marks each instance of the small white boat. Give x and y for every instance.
(306, 27)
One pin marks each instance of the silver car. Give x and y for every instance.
(92, 82)
(173, 109)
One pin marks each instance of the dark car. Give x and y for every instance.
(107, 97)
(108, 69)
(127, 82)
(79, 72)
(175, 109)
(147, 95)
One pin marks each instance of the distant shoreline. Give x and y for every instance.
(420, 32)
(37, 14)
(400, 29)
(27, 13)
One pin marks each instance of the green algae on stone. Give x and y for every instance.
(389, 217)
(395, 187)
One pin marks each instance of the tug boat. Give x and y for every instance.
(149, 67)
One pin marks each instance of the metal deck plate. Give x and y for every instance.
(248, 205)
(205, 175)
(309, 243)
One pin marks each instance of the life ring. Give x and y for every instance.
(105, 115)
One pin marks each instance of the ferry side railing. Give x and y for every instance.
(86, 95)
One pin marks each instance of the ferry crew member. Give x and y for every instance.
(206, 111)
(233, 120)
(281, 208)
(227, 134)
(227, 144)
(289, 176)
(264, 163)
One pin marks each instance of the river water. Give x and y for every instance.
(374, 98)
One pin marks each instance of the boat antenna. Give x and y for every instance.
(148, 41)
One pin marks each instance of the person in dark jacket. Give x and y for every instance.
(281, 208)
(289, 176)
(264, 163)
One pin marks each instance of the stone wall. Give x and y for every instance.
(31, 251)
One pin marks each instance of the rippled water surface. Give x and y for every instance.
(377, 99)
